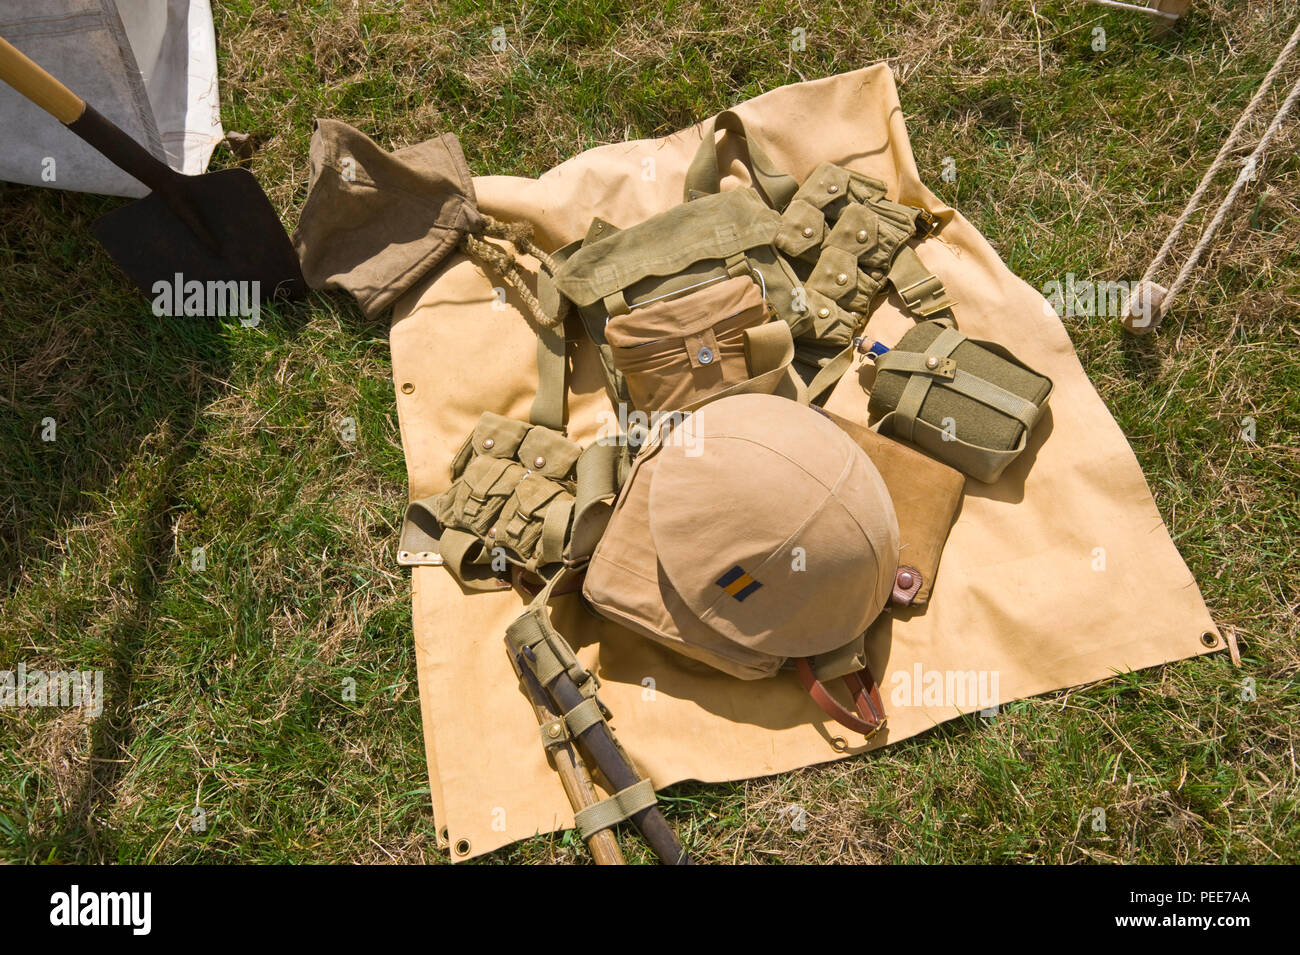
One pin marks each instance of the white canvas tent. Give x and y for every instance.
(148, 65)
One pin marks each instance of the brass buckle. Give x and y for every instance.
(926, 297)
(875, 732)
(926, 223)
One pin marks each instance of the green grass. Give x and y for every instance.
(228, 686)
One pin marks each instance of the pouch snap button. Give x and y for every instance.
(832, 189)
(539, 462)
(842, 279)
(862, 235)
(490, 443)
(932, 363)
(807, 232)
(705, 356)
(823, 312)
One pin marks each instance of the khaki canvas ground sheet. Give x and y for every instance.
(1020, 597)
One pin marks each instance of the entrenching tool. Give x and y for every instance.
(566, 761)
(615, 766)
(217, 227)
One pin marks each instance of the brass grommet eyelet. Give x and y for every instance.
(408, 387)
(840, 744)
(1209, 639)
(462, 847)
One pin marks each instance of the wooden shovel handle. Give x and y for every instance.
(71, 110)
(38, 86)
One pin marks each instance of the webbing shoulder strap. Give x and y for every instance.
(552, 348)
(920, 289)
(552, 375)
(703, 177)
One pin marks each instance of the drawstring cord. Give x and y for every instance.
(520, 235)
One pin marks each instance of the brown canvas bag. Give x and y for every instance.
(677, 352)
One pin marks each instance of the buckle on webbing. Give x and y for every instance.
(926, 296)
(926, 222)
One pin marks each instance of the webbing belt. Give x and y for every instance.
(552, 359)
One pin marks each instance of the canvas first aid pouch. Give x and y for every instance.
(926, 495)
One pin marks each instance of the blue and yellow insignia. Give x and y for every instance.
(738, 583)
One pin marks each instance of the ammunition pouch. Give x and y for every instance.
(521, 495)
(821, 253)
(842, 239)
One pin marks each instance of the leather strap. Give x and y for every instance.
(907, 584)
(870, 715)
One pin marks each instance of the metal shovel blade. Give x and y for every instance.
(217, 227)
